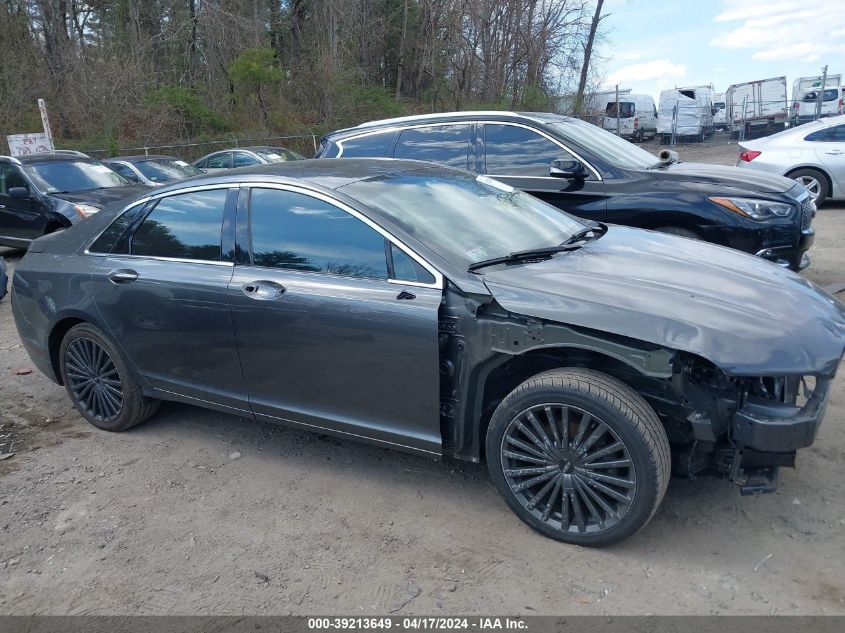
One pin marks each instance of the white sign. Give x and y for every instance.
(26, 144)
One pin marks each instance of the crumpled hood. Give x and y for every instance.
(746, 315)
(724, 177)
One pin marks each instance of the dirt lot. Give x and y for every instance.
(200, 512)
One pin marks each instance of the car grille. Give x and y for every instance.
(808, 212)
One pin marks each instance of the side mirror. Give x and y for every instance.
(569, 169)
(18, 193)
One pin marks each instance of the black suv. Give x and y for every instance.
(594, 174)
(42, 193)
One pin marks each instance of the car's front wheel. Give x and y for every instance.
(579, 456)
(99, 382)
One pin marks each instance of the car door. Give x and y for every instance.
(830, 151)
(336, 324)
(521, 156)
(162, 291)
(444, 144)
(20, 218)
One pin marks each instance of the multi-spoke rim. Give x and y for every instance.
(93, 379)
(568, 468)
(812, 185)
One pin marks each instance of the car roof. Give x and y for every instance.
(140, 158)
(469, 115)
(48, 158)
(324, 172)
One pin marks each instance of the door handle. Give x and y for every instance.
(2, 206)
(406, 296)
(263, 290)
(834, 151)
(122, 276)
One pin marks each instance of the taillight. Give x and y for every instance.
(840, 105)
(797, 107)
(636, 122)
(749, 155)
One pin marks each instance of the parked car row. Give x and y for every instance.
(407, 291)
(42, 193)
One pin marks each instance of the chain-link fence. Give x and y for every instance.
(305, 144)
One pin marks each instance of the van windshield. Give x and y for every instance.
(626, 109)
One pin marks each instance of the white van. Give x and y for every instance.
(720, 116)
(637, 118)
(686, 112)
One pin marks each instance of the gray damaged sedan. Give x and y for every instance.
(427, 309)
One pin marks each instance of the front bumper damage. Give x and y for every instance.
(765, 435)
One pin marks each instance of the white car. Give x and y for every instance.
(813, 154)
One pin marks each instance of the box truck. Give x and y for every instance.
(757, 107)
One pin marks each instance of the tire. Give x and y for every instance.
(568, 500)
(815, 181)
(113, 401)
(679, 231)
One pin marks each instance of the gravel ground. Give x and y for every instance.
(199, 512)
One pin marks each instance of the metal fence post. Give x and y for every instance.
(674, 125)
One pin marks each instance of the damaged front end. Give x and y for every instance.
(746, 428)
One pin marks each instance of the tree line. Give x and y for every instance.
(153, 71)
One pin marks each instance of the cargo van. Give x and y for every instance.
(805, 109)
(720, 116)
(685, 112)
(637, 118)
(757, 107)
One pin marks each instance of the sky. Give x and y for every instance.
(651, 45)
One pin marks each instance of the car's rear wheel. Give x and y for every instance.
(579, 456)
(99, 382)
(814, 181)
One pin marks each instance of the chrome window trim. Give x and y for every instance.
(438, 284)
(180, 260)
(541, 133)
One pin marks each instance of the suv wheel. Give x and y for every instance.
(579, 456)
(99, 382)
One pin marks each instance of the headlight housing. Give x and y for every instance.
(86, 210)
(753, 208)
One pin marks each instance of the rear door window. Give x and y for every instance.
(444, 144)
(517, 151)
(374, 145)
(626, 109)
(835, 134)
(184, 226)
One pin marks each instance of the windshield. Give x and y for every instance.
(164, 170)
(608, 147)
(67, 176)
(719, 105)
(277, 154)
(464, 218)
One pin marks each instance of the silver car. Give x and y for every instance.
(245, 157)
(813, 154)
